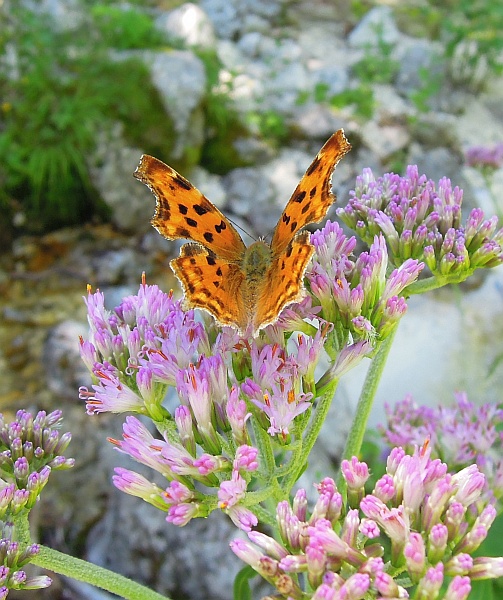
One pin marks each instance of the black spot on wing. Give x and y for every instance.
(313, 191)
(190, 222)
(305, 208)
(200, 210)
(293, 226)
(183, 209)
(208, 237)
(210, 260)
(299, 196)
(315, 165)
(182, 182)
(286, 218)
(219, 228)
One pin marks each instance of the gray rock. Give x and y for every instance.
(253, 150)
(493, 97)
(469, 66)
(115, 266)
(334, 77)
(478, 125)
(224, 16)
(250, 44)
(111, 167)
(436, 128)
(247, 191)
(377, 25)
(385, 140)
(322, 44)
(232, 18)
(64, 369)
(67, 16)
(180, 78)
(188, 23)
(485, 192)
(433, 338)
(390, 108)
(255, 23)
(317, 121)
(416, 57)
(210, 185)
(170, 559)
(437, 163)
(496, 188)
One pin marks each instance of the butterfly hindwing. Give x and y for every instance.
(283, 282)
(212, 284)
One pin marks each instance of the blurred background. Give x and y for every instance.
(237, 95)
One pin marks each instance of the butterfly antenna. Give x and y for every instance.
(243, 230)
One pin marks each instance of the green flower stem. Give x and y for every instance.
(98, 576)
(359, 425)
(81, 570)
(434, 283)
(312, 432)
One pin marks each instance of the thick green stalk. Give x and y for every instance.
(359, 425)
(81, 570)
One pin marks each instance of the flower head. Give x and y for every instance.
(462, 435)
(348, 554)
(423, 221)
(31, 447)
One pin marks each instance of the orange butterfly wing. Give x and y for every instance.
(313, 196)
(183, 212)
(212, 284)
(245, 288)
(291, 250)
(283, 282)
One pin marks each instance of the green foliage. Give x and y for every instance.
(377, 66)
(490, 589)
(271, 125)
(223, 124)
(66, 92)
(454, 22)
(362, 97)
(360, 8)
(242, 589)
(474, 20)
(321, 92)
(397, 163)
(125, 29)
(432, 83)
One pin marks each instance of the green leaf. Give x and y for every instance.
(242, 589)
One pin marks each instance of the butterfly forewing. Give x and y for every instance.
(183, 212)
(313, 196)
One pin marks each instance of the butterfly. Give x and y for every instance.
(244, 287)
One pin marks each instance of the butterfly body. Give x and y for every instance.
(256, 260)
(244, 287)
